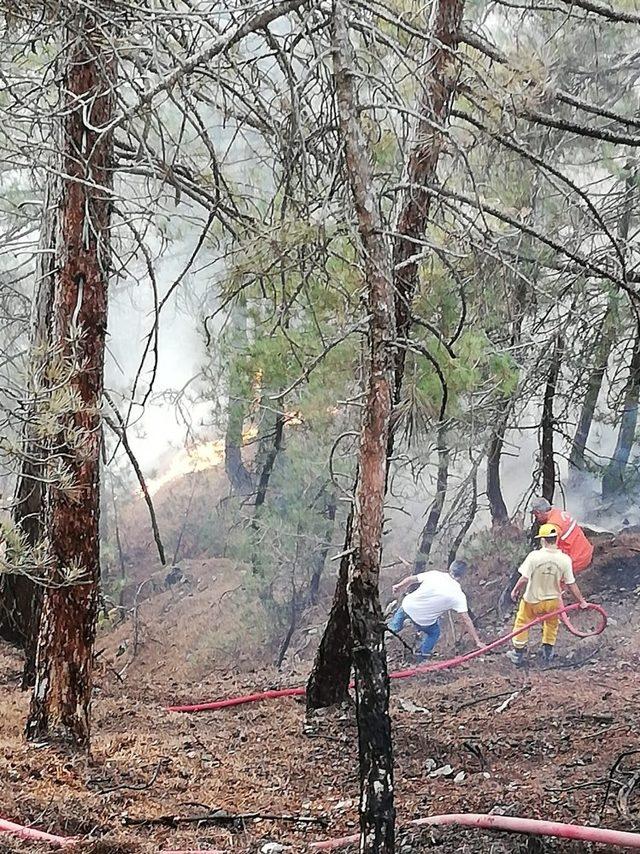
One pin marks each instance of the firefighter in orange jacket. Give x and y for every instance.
(572, 540)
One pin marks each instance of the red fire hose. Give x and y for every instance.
(35, 835)
(67, 841)
(488, 822)
(511, 824)
(413, 671)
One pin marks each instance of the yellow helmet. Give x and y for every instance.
(547, 530)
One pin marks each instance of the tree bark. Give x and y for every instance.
(61, 700)
(121, 558)
(548, 463)
(430, 529)
(238, 474)
(20, 594)
(329, 680)
(505, 404)
(236, 471)
(320, 557)
(468, 522)
(377, 813)
(577, 458)
(267, 463)
(497, 506)
(268, 460)
(439, 88)
(604, 341)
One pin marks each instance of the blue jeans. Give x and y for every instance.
(431, 633)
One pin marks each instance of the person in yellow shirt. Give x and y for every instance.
(542, 575)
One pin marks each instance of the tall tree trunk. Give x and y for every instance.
(548, 463)
(329, 680)
(320, 556)
(430, 529)
(497, 506)
(238, 474)
(121, 558)
(270, 448)
(604, 340)
(61, 700)
(468, 522)
(438, 86)
(519, 298)
(613, 479)
(20, 594)
(577, 459)
(377, 813)
(29, 516)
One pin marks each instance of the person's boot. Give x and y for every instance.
(516, 656)
(547, 652)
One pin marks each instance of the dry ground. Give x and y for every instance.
(550, 753)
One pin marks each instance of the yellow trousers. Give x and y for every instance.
(527, 612)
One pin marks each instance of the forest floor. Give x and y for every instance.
(554, 751)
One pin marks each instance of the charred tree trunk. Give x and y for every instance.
(329, 680)
(61, 700)
(439, 89)
(604, 341)
(320, 558)
(577, 458)
(268, 460)
(238, 474)
(497, 506)
(28, 516)
(377, 813)
(295, 604)
(120, 549)
(20, 594)
(548, 463)
(430, 529)
(468, 522)
(613, 479)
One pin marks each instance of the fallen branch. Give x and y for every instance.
(402, 640)
(486, 699)
(504, 706)
(138, 787)
(574, 665)
(625, 792)
(612, 780)
(220, 817)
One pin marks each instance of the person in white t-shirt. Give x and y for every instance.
(437, 593)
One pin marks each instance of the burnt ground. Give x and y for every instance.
(555, 750)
